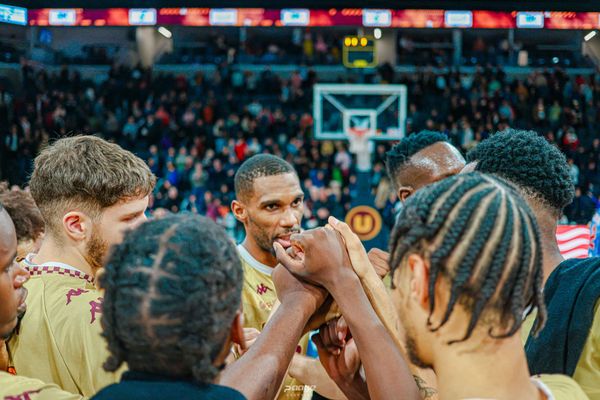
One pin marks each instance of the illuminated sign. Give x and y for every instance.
(62, 17)
(223, 16)
(365, 222)
(295, 17)
(142, 16)
(13, 15)
(381, 18)
(458, 19)
(355, 17)
(530, 20)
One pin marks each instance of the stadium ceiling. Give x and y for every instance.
(499, 5)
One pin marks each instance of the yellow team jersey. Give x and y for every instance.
(22, 388)
(561, 387)
(587, 371)
(258, 298)
(59, 339)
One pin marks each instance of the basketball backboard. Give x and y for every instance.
(339, 108)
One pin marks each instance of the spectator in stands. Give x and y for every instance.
(176, 124)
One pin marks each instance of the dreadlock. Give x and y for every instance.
(479, 235)
(258, 166)
(173, 288)
(397, 158)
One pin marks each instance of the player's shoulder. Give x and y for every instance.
(21, 387)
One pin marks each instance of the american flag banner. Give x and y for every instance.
(573, 240)
(595, 238)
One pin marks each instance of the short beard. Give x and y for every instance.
(413, 354)
(96, 251)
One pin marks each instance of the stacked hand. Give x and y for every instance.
(319, 256)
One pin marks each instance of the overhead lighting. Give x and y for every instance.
(590, 35)
(165, 32)
(377, 33)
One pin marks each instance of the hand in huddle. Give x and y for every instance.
(319, 256)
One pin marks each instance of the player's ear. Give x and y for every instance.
(239, 211)
(237, 329)
(419, 279)
(77, 226)
(404, 192)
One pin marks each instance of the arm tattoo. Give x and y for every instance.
(425, 391)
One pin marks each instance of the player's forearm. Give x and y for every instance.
(355, 390)
(375, 345)
(310, 372)
(259, 373)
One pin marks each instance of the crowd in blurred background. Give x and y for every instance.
(194, 133)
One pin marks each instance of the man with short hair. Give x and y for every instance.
(568, 345)
(421, 159)
(269, 202)
(89, 192)
(12, 306)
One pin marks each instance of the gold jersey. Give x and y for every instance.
(59, 340)
(258, 299)
(587, 371)
(22, 388)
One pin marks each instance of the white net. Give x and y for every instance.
(360, 144)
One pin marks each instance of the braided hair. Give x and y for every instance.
(172, 290)
(479, 235)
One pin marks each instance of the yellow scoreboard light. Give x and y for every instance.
(359, 52)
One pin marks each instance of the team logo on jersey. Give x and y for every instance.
(96, 308)
(75, 292)
(262, 289)
(23, 396)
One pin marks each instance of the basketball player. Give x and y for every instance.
(12, 306)
(421, 159)
(270, 202)
(175, 341)
(30, 229)
(89, 191)
(568, 345)
(415, 162)
(466, 264)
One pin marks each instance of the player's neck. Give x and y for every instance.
(548, 223)
(51, 251)
(465, 371)
(259, 254)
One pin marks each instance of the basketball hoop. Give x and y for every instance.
(359, 144)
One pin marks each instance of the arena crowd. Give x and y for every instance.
(194, 133)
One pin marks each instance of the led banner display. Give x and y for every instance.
(301, 17)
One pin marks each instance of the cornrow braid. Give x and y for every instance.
(479, 235)
(172, 290)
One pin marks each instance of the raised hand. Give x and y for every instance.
(379, 260)
(320, 256)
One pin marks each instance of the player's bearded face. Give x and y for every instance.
(96, 249)
(265, 236)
